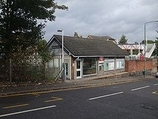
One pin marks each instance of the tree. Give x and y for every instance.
(21, 25)
(155, 53)
(148, 41)
(22, 21)
(123, 40)
(157, 32)
(44, 54)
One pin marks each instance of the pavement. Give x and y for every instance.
(94, 81)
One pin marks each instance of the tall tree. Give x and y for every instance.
(123, 40)
(22, 23)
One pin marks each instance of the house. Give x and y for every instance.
(107, 38)
(84, 57)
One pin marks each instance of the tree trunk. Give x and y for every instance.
(10, 70)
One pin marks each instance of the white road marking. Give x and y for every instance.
(156, 84)
(103, 96)
(26, 111)
(135, 89)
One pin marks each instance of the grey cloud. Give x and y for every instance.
(105, 17)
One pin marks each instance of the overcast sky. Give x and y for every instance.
(106, 18)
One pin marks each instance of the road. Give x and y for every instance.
(138, 100)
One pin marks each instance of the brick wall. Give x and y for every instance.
(155, 66)
(139, 65)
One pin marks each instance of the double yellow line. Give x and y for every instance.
(54, 99)
(15, 106)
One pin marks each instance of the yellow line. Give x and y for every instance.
(65, 89)
(54, 99)
(14, 95)
(36, 94)
(14, 106)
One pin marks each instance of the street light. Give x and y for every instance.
(62, 55)
(145, 43)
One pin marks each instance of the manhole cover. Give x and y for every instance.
(149, 106)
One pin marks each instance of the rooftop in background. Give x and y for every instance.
(108, 38)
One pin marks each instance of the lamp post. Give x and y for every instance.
(145, 44)
(62, 54)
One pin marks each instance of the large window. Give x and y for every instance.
(109, 64)
(55, 63)
(120, 63)
(89, 66)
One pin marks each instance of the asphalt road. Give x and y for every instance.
(138, 100)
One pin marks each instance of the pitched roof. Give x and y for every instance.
(84, 47)
(101, 37)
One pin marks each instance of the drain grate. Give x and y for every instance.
(148, 106)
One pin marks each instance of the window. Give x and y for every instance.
(89, 66)
(109, 64)
(66, 68)
(78, 64)
(78, 73)
(119, 63)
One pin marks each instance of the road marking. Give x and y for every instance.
(54, 99)
(64, 89)
(135, 89)
(26, 111)
(155, 92)
(36, 94)
(14, 106)
(156, 84)
(103, 96)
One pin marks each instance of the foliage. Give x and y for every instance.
(21, 25)
(43, 52)
(148, 41)
(45, 55)
(123, 40)
(157, 32)
(155, 53)
(22, 21)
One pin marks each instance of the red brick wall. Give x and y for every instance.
(138, 65)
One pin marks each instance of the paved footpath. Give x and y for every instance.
(70, 84)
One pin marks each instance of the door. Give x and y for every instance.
(66, 69)
(78, 69)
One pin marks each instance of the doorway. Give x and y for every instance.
(78, 69)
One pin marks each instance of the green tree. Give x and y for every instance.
(22, 21)
(21, 26)
(155, 53)
(43, 54)
(42, 50)
(148, 41)
(123, 40)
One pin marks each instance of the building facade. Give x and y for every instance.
(85, 57)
